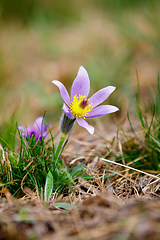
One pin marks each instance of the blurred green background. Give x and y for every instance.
(41, 41)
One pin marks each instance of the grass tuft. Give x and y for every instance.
(142, 148)
(33, 166)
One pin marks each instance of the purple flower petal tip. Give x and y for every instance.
(63, 91)
(101, 95)
(102, 110)
(82, 72)
(81, 84)
(85, 125)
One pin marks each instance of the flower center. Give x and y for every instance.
(80, 106)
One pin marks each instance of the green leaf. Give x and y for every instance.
(63, 205)
(48, 186)
(158, 143)
(77, 169)
(13, 159)
(87, 176)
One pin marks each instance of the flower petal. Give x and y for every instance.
(46, 126)
(27, 131)
(101, 95)
(84, 124)
(102, 110)
(21, 128)
(81, 84)
(67, 111)
(63, 91)
(38, 127)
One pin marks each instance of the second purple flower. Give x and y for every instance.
(39, 129)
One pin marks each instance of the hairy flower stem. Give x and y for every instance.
(66, 126)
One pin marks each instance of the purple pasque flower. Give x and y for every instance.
(39, 129)
(79, 106)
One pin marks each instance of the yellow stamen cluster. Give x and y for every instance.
(80, 106)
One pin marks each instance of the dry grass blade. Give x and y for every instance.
(131, 168)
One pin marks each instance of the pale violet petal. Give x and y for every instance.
(38, 126)
(81, 84)
(101, 95)
(84, 124)
(20, 127)
(102, 110)
(63, 91)
(65, 108)
(67, 111)
(27, 131)
(38, 122)
(23, 131)
(46, 126)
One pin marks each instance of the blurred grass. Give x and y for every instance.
(140, 148)
(27, 11)
(45, 40)
(125, 4)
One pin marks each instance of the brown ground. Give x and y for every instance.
(125, 207)
(103, 216)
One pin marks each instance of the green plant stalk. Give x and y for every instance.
(66, 126)
(60, 147)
